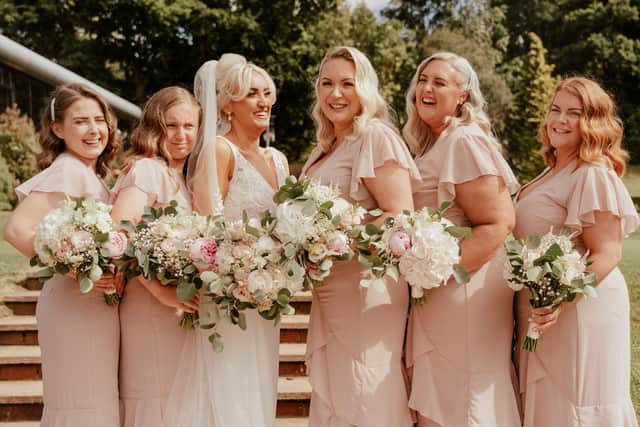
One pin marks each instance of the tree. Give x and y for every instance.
(585, 37)
(532, 86)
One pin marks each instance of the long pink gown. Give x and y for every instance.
(354, 349)
(151, 338)
(79, 334)
(459, 341)
(580, 372)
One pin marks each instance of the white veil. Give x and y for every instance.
(191, 400)
(202, 175)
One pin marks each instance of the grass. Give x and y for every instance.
(632, 180)
(13, 267)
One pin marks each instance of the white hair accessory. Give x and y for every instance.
(53, 109)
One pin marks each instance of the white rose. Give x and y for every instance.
(260, 280)
(317, 252)
(292, 224)
(265, 244)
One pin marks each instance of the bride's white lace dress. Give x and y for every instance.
(237, 387)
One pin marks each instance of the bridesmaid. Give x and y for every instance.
(459, 341)
(151, 337)
(580, 372)
(354, 350)
(78, 334)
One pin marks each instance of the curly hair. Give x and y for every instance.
(601, 128)
(59, 101)
(148, 138)
(418, 134)
(366, 85)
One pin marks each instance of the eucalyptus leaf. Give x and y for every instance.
(533, 241)
(216, 342)
(186, 291)
(86, 285)
(461, 275)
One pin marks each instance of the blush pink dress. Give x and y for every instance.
(579, 374)
(152, 339)
(354, 349)
(79, 334)
(459, 341)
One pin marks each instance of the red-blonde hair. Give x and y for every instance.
(601, 128)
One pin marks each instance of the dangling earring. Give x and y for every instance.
(229, 117)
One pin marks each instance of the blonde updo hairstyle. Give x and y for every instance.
(418, 134)
(59, 101)
(601, 128)
(148, 139)
(233, 83)
(366, 86)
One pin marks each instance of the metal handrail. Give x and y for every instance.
(23, 59)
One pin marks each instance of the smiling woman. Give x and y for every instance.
(79, 367)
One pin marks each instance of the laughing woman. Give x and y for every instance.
(459, 341)
(580, 372)
(78, 333)
(354, 351)
(151, 337)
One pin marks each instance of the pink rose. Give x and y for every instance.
(203, 253)
(399, 243)
(116, 245)
(338, 243)
(241, 293)
(168, 247)
(81, 240)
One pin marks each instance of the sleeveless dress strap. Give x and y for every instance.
(277, 160)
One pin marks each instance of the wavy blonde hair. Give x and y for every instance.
(233, 83)
(366, 85)
(418, 134)
(59, 101)
(148, 138)
(601, 128)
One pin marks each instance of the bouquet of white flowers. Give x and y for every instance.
(314, 225)
(79, 237)
(422, 246)
(172, 248)
(551, 268)
(250, 272)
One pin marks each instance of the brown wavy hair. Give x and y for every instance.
(147, 139)
(601, 128)
(61, 99)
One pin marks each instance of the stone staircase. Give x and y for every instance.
(21, 374)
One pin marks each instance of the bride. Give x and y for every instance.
(227, 174)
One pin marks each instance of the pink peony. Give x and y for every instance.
(203, 253)
(116, 245)
(338, 243)
(399, 243)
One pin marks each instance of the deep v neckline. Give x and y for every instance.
(537, 179)
(255, 169)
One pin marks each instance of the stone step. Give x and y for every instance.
(18, 330)
(23, 330)
(23, 302)
(22, 362)
(22, 400)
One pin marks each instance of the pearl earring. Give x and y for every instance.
(228, 116)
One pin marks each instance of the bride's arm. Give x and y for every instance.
(210, 182)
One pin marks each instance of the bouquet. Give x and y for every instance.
(553, 271)
(250, 272)
(422, 246)
(79, 237)
(314, 225)
(172, 248)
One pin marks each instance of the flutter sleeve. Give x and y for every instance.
(469, 155)
(151, 177)
(380, 144)
(600, 189)
(66, 175)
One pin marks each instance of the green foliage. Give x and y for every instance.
(532, 86)
(18, 143)
(7, 198)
